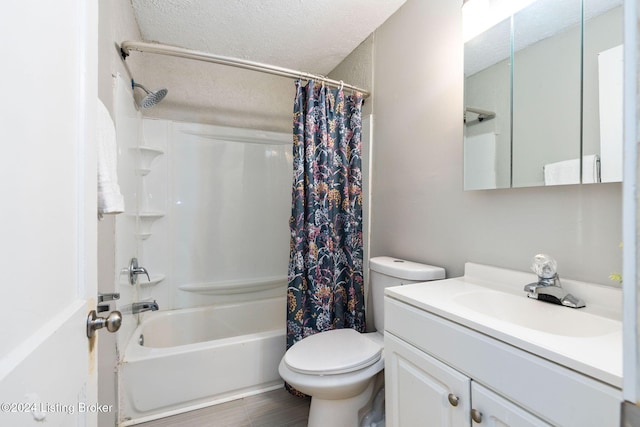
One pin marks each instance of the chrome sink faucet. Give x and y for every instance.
(548, 287)
(139, 307)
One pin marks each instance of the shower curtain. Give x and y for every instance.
(326, 287)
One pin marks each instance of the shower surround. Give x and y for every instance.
(210, 220)
(213, 212)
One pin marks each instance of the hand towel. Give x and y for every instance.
(561, 173)
(110, 199)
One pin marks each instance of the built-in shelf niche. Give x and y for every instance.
(145, 221)
(146, 156)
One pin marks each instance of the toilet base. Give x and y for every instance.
(338, 413)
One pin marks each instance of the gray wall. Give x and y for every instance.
(419, 210)
(357, 70)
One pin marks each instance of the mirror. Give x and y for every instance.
(546, 93)
(538, 99)
(487, 115)
(602, 87)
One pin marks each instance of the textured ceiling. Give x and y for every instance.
(306, 35)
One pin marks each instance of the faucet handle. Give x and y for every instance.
(544, 266)
(134, 270)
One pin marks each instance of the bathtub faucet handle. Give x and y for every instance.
(134, 270)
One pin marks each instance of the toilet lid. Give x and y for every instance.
(332, 352)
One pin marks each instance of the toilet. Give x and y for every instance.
(338, 368)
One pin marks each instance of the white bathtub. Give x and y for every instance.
(198, 357)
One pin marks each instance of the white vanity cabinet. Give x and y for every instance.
(440, 371)
(422, 391)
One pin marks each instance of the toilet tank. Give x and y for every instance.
(388, 271)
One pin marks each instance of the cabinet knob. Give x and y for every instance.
(453, 399)
(476, 416)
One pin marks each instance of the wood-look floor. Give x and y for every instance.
(276, 408)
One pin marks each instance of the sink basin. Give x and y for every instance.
(490, 300)
(537, 315)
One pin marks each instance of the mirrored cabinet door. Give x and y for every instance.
(487, 115)
(602, 88)
(543, 96)
(546, 93)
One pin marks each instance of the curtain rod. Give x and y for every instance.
(162, 49)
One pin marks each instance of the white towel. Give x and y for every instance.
(568, 171)
(110, 200)
(564, 172)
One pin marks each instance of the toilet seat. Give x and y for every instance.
(338, 351)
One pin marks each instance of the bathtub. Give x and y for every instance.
(197, 357)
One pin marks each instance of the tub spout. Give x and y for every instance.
(139, 307)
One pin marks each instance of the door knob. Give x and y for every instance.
(112, 322)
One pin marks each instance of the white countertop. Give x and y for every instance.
(491, 301)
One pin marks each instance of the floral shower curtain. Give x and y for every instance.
(326, 287)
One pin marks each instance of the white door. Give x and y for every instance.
(421, 391)
(48, 92)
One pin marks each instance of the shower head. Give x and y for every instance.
(152, 98)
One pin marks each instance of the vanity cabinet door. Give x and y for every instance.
(422, 391)
(491, 410)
